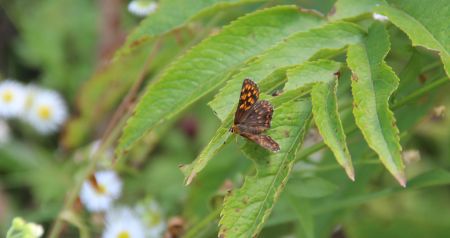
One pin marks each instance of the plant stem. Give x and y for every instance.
(132, 94)
(422, 91)
(193, 232)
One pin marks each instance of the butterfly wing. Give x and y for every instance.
(253, 117)
(263, 140)
(258, 118)
(249, 96)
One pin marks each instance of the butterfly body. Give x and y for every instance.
(253, 117)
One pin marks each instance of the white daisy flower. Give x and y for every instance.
(12, 99)
(5, 133)
(152, 218)
(142, 7)
(380, 17)
(46, 110)
(99, 192)
(123, 222)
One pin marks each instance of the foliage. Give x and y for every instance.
(167, 99)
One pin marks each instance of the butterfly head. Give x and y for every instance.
(234, 129)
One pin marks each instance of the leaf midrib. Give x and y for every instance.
(274, 179)
(379, 127)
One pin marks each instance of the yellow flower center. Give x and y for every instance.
(123, 234)
(44, 112)
(101, 189)
(7, 96)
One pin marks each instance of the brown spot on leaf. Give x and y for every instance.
(422, 78)
(337, 74)
(394, 124)
(138, 42)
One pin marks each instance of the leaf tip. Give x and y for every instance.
(190, 178)
(401, 178)
(350, 173)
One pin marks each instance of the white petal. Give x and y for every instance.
(40, 101)
(142, 7)
(380, 17)
(123, 219)
(12, 99)
(95, 201)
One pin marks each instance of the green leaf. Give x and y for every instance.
(425, 23)
(208, 64)
(223, 136)
(246, 209)
(324, 100)
(310, 73)
(172, 14)
(294, 50)
(373, 82)
(353, 8)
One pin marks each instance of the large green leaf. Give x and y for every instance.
(301, 79)
(353, 8)
(208, 64)
(373, 82)
(247, 208)
(222, 135)
(425, 23)
(131, 62)
(296, 49)
(324, 101)
(172, 14)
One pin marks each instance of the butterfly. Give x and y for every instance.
(253, 117)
